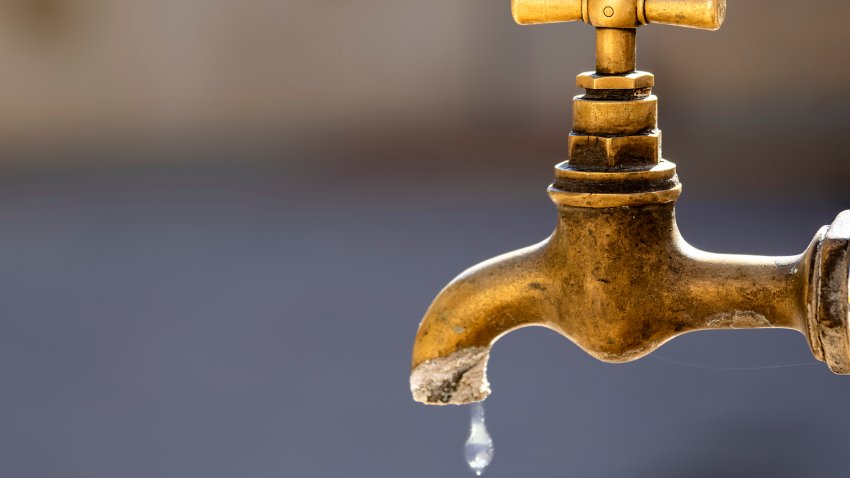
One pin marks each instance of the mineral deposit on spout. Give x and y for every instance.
(457, 379)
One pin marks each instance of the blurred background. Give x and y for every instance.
(222, 222)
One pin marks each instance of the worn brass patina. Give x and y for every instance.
(616, 277)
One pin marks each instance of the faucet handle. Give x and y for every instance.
(535, 12)
(702, 14)
(616, 21)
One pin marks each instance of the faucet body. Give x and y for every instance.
(616, 277)
(619, 282)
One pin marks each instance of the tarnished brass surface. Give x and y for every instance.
(616, 277)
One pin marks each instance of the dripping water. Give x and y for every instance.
(478, 450)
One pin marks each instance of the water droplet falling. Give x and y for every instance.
(478, 450)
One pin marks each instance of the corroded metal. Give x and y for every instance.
(616, 277)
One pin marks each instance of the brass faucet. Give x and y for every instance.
(616, 277)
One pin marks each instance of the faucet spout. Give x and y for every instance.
(478, 307)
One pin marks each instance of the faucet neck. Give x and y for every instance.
(616, 50)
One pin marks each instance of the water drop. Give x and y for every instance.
(478, 450)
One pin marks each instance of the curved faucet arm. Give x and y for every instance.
(479, 306)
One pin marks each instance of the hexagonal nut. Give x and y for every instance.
(615, 152)
(830, 325)
(633, 81)
(615, 117)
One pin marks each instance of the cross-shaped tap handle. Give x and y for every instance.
(615, 47)
(703, 14)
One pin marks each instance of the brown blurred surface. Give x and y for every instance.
(375, 85)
